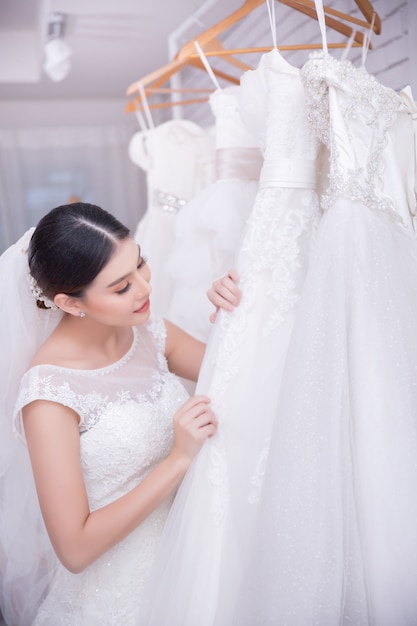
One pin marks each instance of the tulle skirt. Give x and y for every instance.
(208, 232)
(335, 537)
(213, 514)
(323, 528)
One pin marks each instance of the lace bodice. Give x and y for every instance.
(125, 426)
(363, 124)
(272, 106)
(289, 134)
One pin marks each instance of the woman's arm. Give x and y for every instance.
(183, 352)
(79, 536)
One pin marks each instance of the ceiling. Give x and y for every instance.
(112, 43)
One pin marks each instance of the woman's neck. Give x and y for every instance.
(81, 343)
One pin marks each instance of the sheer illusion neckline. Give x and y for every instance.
(100, 370)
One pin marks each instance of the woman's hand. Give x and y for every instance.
(194, 422)
(224, 293)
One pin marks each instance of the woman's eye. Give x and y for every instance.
(126, 288)
(142, 262)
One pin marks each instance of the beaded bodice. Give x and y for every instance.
(353, 115)
(125, 411)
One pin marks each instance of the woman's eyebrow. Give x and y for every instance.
(119, 280)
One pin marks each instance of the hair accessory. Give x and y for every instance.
(39, 295)
(82, 314)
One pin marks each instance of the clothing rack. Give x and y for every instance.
(212, 46)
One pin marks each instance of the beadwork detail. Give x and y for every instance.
(168, 202)
(39, 295)
(364, 101)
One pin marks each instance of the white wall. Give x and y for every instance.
(393, 60)
(35, 113)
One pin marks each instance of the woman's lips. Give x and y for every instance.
(143, 308)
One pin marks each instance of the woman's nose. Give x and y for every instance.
(143, 284)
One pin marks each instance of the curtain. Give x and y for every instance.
(43, 167)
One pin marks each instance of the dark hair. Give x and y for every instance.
(70, 246)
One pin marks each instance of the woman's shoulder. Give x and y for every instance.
(50, 353)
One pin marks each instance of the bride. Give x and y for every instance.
(109, 427)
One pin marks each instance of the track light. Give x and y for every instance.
(57, 62)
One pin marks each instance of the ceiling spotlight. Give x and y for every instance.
(57, 62)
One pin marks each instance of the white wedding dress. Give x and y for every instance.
(126, 429)
(178, 158)
(336, 529)
(205, 544)
(208, 229)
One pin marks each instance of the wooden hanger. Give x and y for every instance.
(208, 40)
(185, 56)
(308, 8)
(217, 45)
(310, 46)
(164, 73)
(213, 32)
(365, 6)
(370, 14)
(136, 104)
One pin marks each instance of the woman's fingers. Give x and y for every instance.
(225, 293)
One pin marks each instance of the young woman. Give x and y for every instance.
(109, 428)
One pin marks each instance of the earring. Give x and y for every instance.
(82, 314)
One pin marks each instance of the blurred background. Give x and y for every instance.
(65, 67)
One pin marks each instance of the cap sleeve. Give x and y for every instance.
(44, 382)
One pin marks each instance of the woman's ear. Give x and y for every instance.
(68, 304)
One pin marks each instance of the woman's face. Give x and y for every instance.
(119, 295)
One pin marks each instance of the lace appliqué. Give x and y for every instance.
(272, 257)
(363, 97)
(158, 330)
(285, 139)
(271, 246)
(89, 406)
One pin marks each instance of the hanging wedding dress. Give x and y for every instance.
(336, 528)
(205, 542)
(209, 228)
(178, 158)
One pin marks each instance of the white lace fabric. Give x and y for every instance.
(126, 429)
